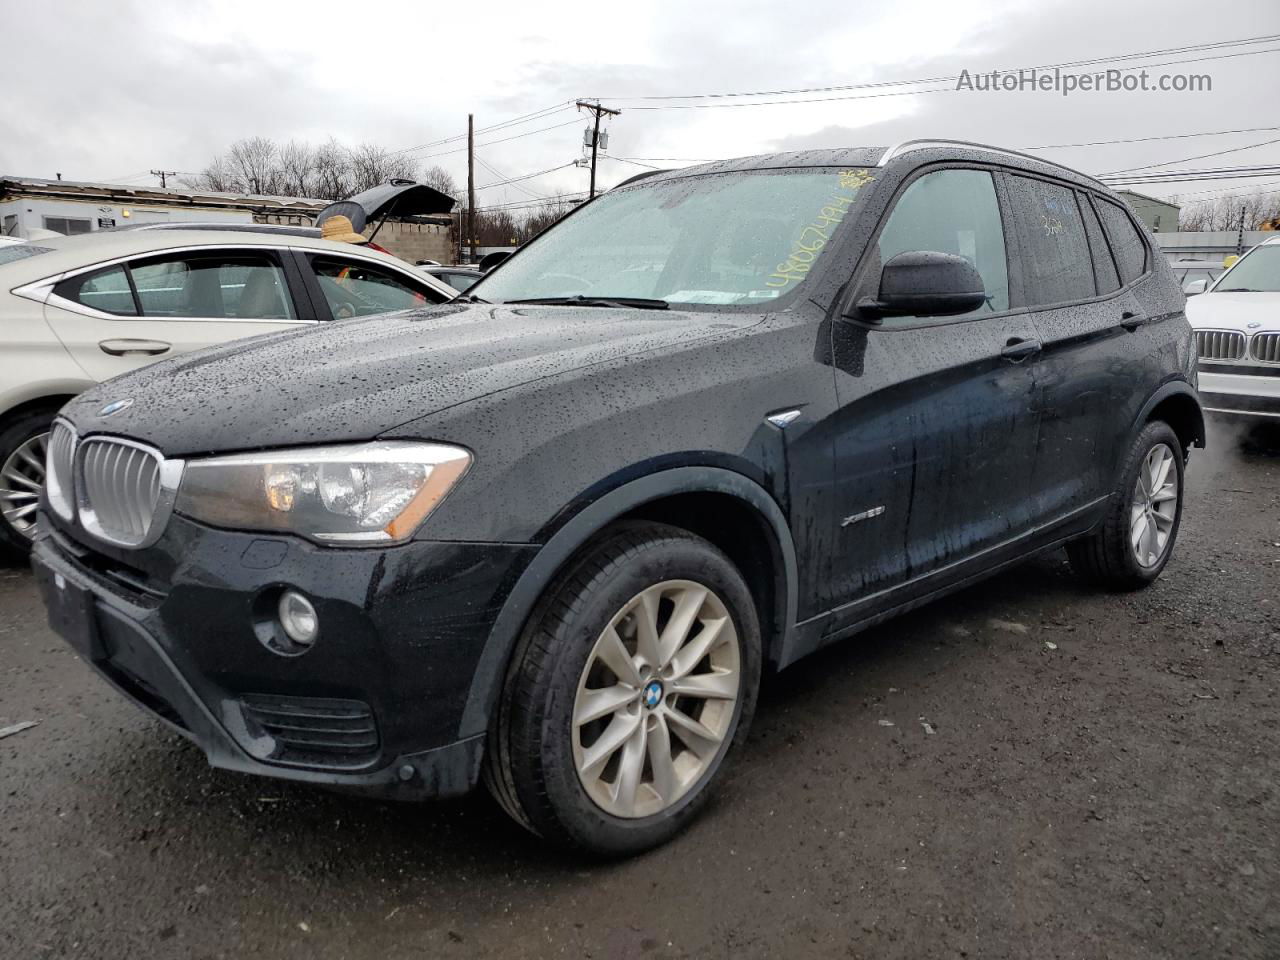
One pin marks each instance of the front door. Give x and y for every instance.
(938, 416)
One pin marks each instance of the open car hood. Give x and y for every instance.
(402, 198)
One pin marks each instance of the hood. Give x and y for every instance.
(355, 379)
(1235, 311)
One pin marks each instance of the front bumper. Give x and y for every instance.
(375, 705)
(1249, 396)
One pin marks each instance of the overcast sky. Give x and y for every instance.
(107, 91)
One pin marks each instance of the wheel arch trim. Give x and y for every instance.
(1166, 391)
(491, 669)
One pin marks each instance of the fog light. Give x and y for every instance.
(298, 618)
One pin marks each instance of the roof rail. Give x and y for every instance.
(906, 146)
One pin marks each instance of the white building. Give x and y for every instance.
(70, 207)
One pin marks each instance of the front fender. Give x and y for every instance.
(577, 530)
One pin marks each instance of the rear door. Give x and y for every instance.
(1086, 316)
(936, 431)
(118, 317)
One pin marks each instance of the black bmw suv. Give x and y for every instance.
(551, 534)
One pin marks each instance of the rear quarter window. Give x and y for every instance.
(1129, 247)
(106, 290)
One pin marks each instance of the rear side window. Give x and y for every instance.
(1056, 265)
(106, 290)
(1130, 249)
(226, 286)
(1104, 267)
(952, 211)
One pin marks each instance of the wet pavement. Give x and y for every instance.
(1026, 769)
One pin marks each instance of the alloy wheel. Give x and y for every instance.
(657, 699)
(21, 479)
(1154, 508)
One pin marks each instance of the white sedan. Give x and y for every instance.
(77, 310)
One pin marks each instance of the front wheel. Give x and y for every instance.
(1136, 539)
(22, 454)
(634, 682)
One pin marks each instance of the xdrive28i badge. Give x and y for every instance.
(111, 409)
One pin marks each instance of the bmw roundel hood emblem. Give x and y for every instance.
(111, 409)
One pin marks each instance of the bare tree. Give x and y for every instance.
(329, 171)
(1228, 213)
(441, 179)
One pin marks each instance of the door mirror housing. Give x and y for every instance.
(1194, 287)
(925, 283)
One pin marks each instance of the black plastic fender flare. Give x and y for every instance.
(492, 666)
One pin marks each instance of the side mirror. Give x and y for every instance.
(1194, 287)
(491, 260)
(925, 283)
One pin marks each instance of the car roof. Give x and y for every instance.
(70, 253)
(910, 152)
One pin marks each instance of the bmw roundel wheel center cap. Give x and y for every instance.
(652, 694)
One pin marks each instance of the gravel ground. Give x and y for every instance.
(1026, 769)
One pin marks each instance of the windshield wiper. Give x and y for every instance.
(578, 300)
(468, 298)
(1236, 290)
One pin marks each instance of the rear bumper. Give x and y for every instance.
(1245, 396)
(376, 711)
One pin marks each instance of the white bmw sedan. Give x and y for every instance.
(78, 310)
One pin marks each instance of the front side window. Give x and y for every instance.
(741, 237)
(356, 288)
(1257, 272)
(956, 212)
(1130, 250)
(1053, 251)
(223, 286)
(106, 290)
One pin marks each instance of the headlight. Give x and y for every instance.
(352, 494)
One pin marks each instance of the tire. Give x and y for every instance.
(1110, 557)
(536, 748)
(19, 440)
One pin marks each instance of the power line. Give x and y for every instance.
(1171, 136)
(1219, 44)
(948, 89)
(1183, 176)
(501, 125)
(1202, 156)
(528, 133)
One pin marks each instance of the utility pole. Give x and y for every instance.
(471, 184)
(597, 110)
(162, 174)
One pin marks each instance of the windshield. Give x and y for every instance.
(9, 252)
(1258, 272)
(729, 238)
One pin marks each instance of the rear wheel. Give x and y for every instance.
(1136, 540)
(23, 440)
(634, 682)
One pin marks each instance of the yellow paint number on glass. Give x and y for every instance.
(807, 246)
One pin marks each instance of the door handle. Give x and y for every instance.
(1131, 321)
(1018, 350)
(127, 347)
